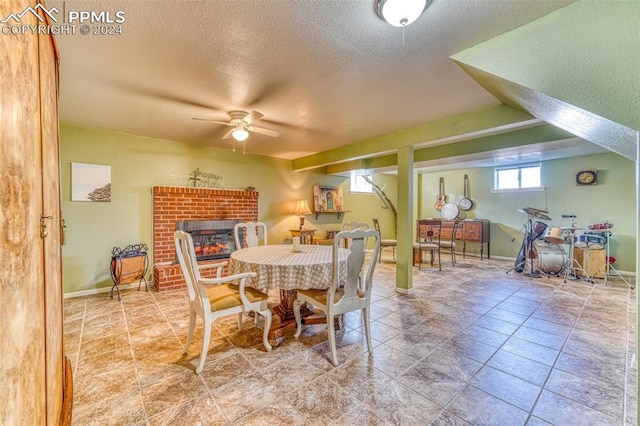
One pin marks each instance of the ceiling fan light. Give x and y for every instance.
(400, 13)
(240, 134)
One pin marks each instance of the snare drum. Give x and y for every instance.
(594, 242)
(553, 235)
(551, 258)
(600, 226)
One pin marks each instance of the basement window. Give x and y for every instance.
(519, 177)
(360, 184)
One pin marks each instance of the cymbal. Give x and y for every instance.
(542, 216)
(537, 213)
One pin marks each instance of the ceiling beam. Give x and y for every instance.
(495, 119)
(462, 149)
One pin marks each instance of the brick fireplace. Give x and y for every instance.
(178, 204)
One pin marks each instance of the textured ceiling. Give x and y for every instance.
(324, 73)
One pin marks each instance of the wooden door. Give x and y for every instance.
(30, 276)
(50, 217)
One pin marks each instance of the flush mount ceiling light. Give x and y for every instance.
(400, 13)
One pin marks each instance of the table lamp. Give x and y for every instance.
(302, 209)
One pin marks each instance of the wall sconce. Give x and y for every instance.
(400, 13)
(302, 209)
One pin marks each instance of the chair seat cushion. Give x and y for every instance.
(320, 296)
(447, 244)
(388, 242)
(228, 295)
(426, 246)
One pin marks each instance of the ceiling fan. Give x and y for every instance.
(242, 123)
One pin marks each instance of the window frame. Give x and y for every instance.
(352, 179)
(519, 168)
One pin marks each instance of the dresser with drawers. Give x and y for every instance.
(475, 231)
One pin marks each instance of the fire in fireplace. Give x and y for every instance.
(212, 239)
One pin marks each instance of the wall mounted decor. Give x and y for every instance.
(90, 182)
(327, 198)
(587, 177)
(200, 179)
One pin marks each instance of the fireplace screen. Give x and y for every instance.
(212, 239)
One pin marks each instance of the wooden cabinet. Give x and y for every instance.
(593, 262)
(447, 228)
(475, 231)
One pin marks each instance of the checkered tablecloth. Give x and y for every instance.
(278, 266)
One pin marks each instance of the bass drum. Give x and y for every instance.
(550, 258)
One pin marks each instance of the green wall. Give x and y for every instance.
(612, 200)
(138, 163)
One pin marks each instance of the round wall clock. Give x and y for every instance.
(586, 177)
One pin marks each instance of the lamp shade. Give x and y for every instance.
(400, 13)
(240, 134)
(302, 208)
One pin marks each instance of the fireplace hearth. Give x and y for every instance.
(212, 239)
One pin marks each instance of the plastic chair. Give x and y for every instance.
(223, 295)
(345, 293)
(249, 234)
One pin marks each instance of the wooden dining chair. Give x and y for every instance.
(428, 240)
(350, 288)
(385, 242)
(352, 226)
(448, 242)
(250, 234)
(222, 296)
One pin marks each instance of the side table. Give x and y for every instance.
(306, 235)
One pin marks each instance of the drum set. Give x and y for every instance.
(549, 250)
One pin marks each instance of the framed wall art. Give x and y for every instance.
(327, 198)
(90, 182)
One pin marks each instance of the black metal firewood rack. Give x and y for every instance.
(128, 265)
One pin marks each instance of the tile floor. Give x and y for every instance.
(472, 345)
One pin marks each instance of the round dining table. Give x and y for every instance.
(279, 267)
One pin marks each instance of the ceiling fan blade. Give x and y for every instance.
(263, 131)
(252, 116)
(228, 134)
(226, 123)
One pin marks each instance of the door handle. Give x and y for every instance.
(44, 231)
(63, 226)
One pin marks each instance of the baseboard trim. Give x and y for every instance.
(100, 290)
